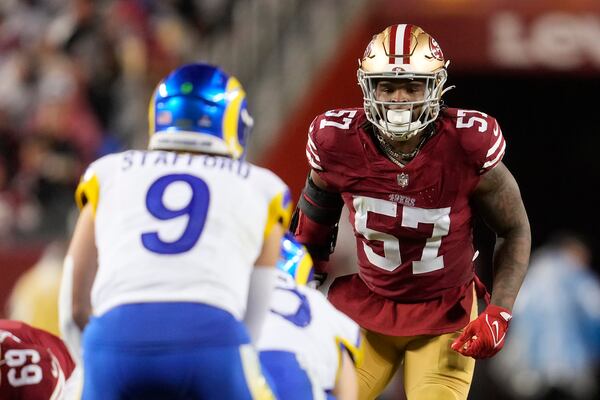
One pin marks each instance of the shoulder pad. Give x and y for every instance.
(480, 137)
(325, 131)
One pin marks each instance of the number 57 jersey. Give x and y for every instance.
(179, 227)
(412, 223)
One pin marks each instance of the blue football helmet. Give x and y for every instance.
(295, 260)
(199, 108)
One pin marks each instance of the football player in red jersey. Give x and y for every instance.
(412, 173)
(35, 364)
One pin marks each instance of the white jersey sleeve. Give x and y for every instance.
(179, 227)
(302, 321)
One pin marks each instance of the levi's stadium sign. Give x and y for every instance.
(553, 40)
(534, 35)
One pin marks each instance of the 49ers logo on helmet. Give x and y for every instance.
(436, 51)
(368, 49)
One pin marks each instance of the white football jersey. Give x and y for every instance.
(179, 227)
(302, 321)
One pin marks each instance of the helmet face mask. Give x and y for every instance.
(402, 53)
(199, 108)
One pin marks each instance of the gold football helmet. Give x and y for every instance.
(402, 51)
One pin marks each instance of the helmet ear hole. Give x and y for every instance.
(406, 52)
(199, 108)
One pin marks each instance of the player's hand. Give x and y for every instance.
(484, 336)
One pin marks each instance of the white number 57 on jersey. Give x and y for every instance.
(411, 218)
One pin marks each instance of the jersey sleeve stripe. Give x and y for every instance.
(312, 148)
(492, 149)
(312, 156)
(496, 159)
(312, 161)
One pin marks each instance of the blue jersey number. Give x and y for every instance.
(196, 210)
(302, 316)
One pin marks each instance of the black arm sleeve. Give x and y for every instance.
(315, 220)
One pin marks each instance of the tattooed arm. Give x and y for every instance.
(498, 201)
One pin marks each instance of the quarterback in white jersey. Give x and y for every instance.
(307, 345)
(178, 227)
(171, 265)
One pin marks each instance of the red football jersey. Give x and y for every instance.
(34, 364)
(413, 224)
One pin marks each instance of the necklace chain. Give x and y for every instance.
(400, 158)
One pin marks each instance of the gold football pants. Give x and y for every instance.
(430, 368)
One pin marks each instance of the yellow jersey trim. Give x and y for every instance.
(88, 191)
(278, 213)
(356, 352)
(304, 268)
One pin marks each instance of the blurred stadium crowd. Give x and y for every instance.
(75, 76)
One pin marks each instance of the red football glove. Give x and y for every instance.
(484, 336)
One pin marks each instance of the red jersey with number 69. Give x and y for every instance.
(34, 364)
(413, 224)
